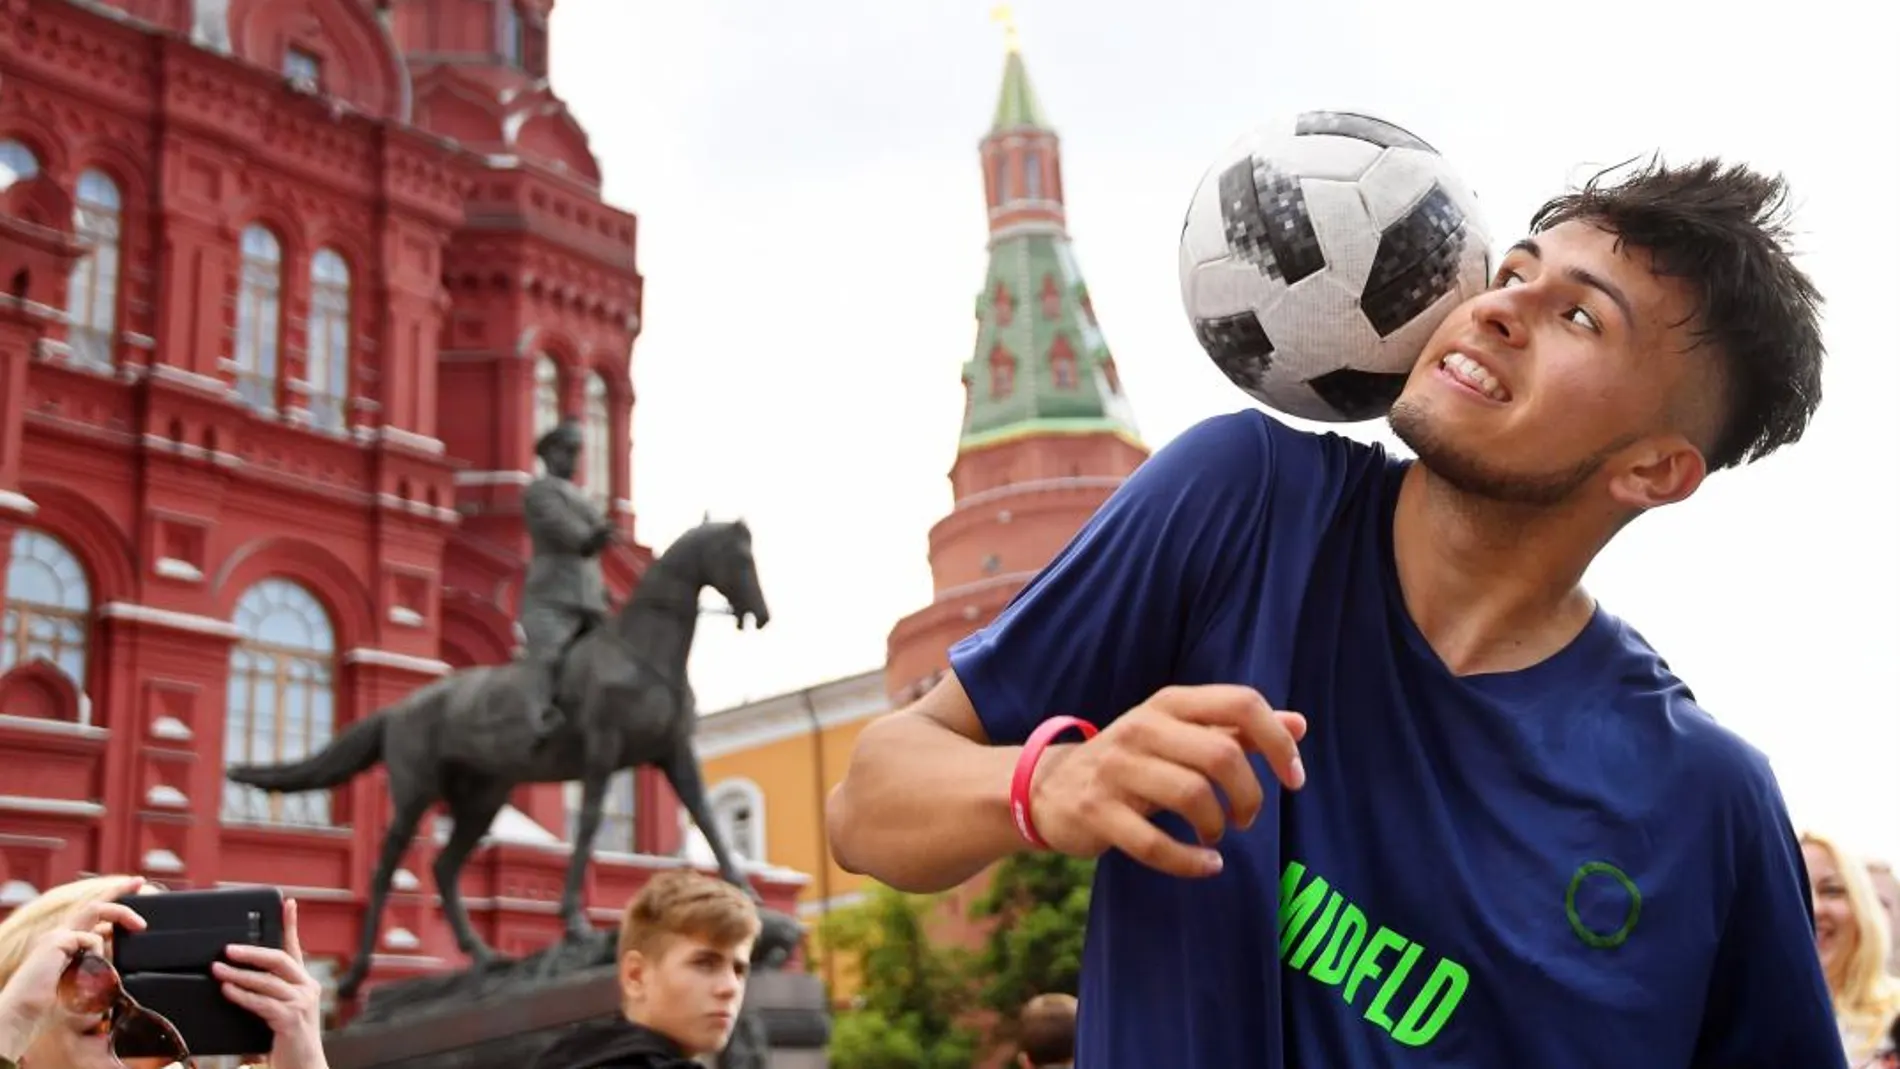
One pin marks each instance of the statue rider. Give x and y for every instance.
(563, 596)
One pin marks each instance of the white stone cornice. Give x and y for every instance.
(422, 666)
(783, 716)
(133, 612)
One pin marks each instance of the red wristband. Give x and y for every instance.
(1033, 747)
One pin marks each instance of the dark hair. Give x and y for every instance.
(1722, 228)
(1048, 1030)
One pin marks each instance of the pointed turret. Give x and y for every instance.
(1041, 363)
(1047, 433)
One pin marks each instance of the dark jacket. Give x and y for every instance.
(616, 1044)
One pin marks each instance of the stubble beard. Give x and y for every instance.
(1472, 476)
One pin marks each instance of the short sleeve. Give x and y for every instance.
(1768, 1005)
(1097, 631)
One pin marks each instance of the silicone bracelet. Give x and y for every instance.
(1033, 748)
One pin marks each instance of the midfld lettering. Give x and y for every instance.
(1330, 940)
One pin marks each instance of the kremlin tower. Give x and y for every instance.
(1047, 432)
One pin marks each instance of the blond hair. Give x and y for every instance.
(683, 902)
(49, 911)
(1865, 995)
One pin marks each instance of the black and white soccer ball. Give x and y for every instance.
(1319, 255)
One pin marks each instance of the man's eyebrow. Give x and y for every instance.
(1585, 278)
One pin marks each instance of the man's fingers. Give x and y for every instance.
(1136, 835)
(1161, 783)
(1213, 755)
(1262, 729)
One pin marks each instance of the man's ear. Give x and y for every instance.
(633, 975)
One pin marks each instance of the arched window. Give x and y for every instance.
(260, 289)
(1032, 175)
(48, 606)
(327, 353)
(17, 164)
(618, 833)
(280, 702)
(597, 443)
(739, 807)
(547, 394)
(92, 290)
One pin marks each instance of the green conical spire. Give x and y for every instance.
(1017, 106)
(1041, 364)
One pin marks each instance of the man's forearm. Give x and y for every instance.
(922, 808)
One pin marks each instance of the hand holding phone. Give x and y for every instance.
(225, 967)
(275, 986)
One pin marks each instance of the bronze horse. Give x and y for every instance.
(468, 739)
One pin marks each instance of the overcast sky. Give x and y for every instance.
(812, 235)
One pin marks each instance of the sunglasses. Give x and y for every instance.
(90, 985)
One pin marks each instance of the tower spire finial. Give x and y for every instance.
(1006, 15)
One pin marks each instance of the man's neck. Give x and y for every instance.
(1493, 588)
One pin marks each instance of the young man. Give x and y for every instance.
(1506, 834)
(1046, 1033)
(685, 947)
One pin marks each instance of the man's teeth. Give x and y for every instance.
(1473, 374)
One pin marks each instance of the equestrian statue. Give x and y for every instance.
(592, 694)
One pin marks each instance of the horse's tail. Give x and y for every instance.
(359, 747)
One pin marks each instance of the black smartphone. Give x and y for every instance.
(167, 967)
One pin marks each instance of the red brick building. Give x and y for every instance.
(287, 290)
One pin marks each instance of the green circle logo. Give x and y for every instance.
(1600, 940)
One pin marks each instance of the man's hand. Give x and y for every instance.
(1169, 752)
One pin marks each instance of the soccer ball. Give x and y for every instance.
(1317, 258)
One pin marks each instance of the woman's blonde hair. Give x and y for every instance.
(1862, 988)
(27, 924)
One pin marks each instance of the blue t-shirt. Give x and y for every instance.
(1567, 866)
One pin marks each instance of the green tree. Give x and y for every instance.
(912, 994)
(1039, 905)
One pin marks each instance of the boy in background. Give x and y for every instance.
(685, 948)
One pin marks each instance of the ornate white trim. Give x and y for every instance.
(783, 716)
(988, 582)
(493, 478)
(52, 727)
(410, 439)
(177, 621)
(72, 807)
(1064, 482)
(13, 501)
(422, 666)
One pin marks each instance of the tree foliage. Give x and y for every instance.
(1040, 906)
(916, 999)
(912, 993)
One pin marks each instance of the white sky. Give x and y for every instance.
(812, 233)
